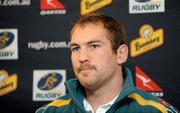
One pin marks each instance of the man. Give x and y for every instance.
(102, 84)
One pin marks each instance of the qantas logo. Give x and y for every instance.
(52, 7)
(145, 83)
(51, 4)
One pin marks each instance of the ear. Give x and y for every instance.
(122, 54)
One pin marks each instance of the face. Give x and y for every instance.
(93, 60)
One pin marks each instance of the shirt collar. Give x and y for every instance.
(76, 91)
(128, 86)
(103, 108)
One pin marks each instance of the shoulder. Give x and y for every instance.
(57, 105)
(148, 101)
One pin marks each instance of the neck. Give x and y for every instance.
(106, 92)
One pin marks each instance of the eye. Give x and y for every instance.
(93, 46)
(75, 49)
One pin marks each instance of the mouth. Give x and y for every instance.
(85, 69)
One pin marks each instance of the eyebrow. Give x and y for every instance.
(73, 44)
(90, 42)
(94, 41)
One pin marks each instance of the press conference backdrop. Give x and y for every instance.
(35, 58)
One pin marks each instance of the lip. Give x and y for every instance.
(85, 71)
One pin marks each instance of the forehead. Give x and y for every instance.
(88, 32)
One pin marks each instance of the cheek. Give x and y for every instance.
(108, 60)
(102, 59)
(74, 64)
(73, 60)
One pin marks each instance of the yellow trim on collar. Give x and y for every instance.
(58, 103)
(144, 102)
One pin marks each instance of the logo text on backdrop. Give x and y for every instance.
(52, 7)
(8, 83)
(88, 6)
(146, 6)
(8, 44)
(148, 40)
(48, 84)
(144, 82)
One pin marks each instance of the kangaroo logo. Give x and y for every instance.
(51, 4)
(6, 38)
(50, 81)
(144, 82)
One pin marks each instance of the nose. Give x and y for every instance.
(83, 55)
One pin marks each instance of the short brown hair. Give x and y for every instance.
(115, 29)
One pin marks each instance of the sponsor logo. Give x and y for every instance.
(48, 84)
(6, 38)
(163, 102)
(148, 40)
(170, 109)
(7, 83)
(146, 6)
(145, 83)
(51, 7)
(15, 2)
(8, 44)
(42, 45)
(88, 6)
(49, 81)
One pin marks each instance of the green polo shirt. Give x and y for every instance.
(130, 100)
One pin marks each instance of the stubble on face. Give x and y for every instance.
(85, 67)
(91, 75)
(85, 74)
